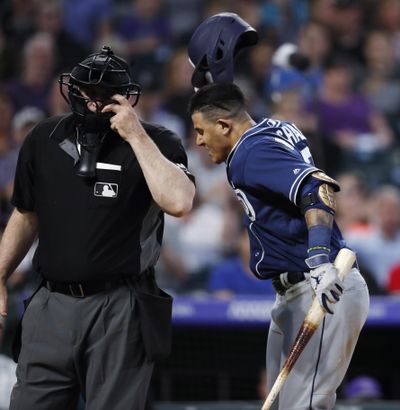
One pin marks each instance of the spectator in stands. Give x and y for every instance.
(6, 114)
(379, 251)
(8, 57)
(250, 11)
(211, 7)
(393, 282)
(182, 17)
(282, 20)
(315, 42)
(22, 123)
(144, 34)
(6, 169)
(381, 76)
(178, 87)
(88, 21)
(386, 17)
(151, 107)
(289, 106)
(323, 12)
(210, 178)
(353, 217)
(191, 247)
(49, 19)
(233, 276)
(345, 20)
(32, 87)
(349, 125)
(291, 88)
(57, 104)
(353, 204)
(252, 72)
(16, 23)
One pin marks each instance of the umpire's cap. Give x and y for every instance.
(214, 45)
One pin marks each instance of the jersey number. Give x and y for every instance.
(241, 196)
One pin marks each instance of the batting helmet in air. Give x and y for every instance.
(214, 45)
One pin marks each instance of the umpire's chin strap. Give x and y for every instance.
(88, 145)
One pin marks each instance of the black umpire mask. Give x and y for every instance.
(95, 80)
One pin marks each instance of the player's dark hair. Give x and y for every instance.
(218, 100)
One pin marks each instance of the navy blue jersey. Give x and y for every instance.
(266, 168)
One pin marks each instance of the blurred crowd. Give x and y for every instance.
(347, 103)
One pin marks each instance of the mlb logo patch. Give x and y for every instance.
(106, 189)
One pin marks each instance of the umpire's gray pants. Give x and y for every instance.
(312, 383)
(91, 346)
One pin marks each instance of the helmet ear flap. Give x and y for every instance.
(199, 77)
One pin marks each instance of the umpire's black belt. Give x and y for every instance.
(83, 289)
(90, 287)
(284, 281)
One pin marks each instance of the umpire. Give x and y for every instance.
(93, 185)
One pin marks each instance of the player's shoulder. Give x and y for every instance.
(273, 135)
(267, 135)
(261, 134)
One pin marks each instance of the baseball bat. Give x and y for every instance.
(343, 262)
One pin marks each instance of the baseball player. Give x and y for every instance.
(290, 207)
(94, 186)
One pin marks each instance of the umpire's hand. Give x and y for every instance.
(124, 121)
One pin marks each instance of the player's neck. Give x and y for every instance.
(242, 127)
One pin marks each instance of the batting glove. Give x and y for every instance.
(326, 284)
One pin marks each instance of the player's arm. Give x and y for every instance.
(18, 237)
(170, 187)
(318, 204)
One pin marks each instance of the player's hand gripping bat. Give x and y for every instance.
(343, 262)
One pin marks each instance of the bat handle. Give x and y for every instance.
(344, 261)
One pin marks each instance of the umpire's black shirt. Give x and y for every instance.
(90, 228)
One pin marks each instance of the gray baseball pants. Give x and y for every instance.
(314, 379)
(90, 346)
